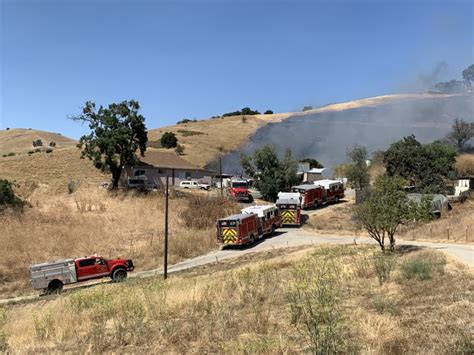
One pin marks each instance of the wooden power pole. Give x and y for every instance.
(165, 266)
(220, 176)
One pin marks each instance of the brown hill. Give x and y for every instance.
(19, 140)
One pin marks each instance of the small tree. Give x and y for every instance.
(313, 163)
(179, 149)
(307, 108)
(468, 74)
(52, 144)
(7, 195)
(461, 133)
(386, 208)
(357, 171)
(37, 143)
(117, 133)
(169, 140)
(271, 174)
(268, 112)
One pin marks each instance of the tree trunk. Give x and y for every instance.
(116, 173)
(392, 243)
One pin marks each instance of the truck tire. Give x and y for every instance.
(119, 275)
(54, 287)
(252, 240)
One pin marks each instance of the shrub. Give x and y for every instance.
(422, 266)
(169, 140)
(37, 150)
(49, 150)
(37, 143)
(179, 149)
(244, 111)
(52, 144)
(11, 154)
(315, 307)
(307, 108)
(268, 112)
(7, 195)
(31, 152)
(71, 186)
(185, 120)
(204, 211)
(383, 266)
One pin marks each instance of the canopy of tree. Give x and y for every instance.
(272, 175)
(118, 132)
(313, 163)
(387, 207)
(169, 140)
(461, 133)
(7, 195)
(424, 166)
(357, 172)
(244, 111)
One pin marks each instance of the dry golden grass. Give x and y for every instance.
(250, 309)
(51, 171)
(91, 221)
(453, 226)
(18, 140)
(333, 219)
(465, 164)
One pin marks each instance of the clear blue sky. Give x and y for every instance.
(186, 59)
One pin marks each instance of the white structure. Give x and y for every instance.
(316, 174)
(259, 210)
(327, 183)
(463, 185)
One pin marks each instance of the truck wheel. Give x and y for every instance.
(119, 275)
(252, 240)
(54, 287)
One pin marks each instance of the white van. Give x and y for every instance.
(193, 184)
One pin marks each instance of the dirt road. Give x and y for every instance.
(284, 238)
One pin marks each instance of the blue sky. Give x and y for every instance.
(195, 59)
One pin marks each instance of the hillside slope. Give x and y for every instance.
(19, 140)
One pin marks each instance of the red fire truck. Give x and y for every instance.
(333, 190)
(239, 190)
(268, 215)
(52, 276)
(308, 195)
(290, 211)
(238, 229)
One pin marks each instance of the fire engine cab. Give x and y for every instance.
(238, 229)
(290, 211)
(268, 215)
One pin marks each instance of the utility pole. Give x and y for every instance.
(220, 175)
(165, 268)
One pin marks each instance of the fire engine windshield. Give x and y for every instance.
(239, 184)
(287, 207)
(227, 223)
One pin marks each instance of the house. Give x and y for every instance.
(156, 165)
(316, 174)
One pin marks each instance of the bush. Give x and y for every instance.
(185, 120)
(179, 149)
(52, 144)
(244, 111)
(8, 155)
(31, 152)
(71, 186)
(383, 266)
(49, 150)
(268, 112)
(307, 108)
(204, 211)
(37, 150)
(187, 133)
(422, 266)
(169, 140)
(37, 143)
(7, 195)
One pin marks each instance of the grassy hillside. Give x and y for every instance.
(323, 300)
(18, 140)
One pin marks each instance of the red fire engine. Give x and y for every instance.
(333, 190)
(308, 196)
(290, 211)
(238, 229)
(268, 215)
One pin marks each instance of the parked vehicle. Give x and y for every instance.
(52, 276)
(310, 195)
(238, 229)
(193, 184)
(239, 190)
(290, 211)
(141, 182)
(334, 190)
(268, 215)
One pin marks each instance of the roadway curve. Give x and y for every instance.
(284, 238)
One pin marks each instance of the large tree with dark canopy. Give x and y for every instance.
(461, 133)
(118, 134)
(424, 166)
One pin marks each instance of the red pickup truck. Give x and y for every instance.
(54, 275)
